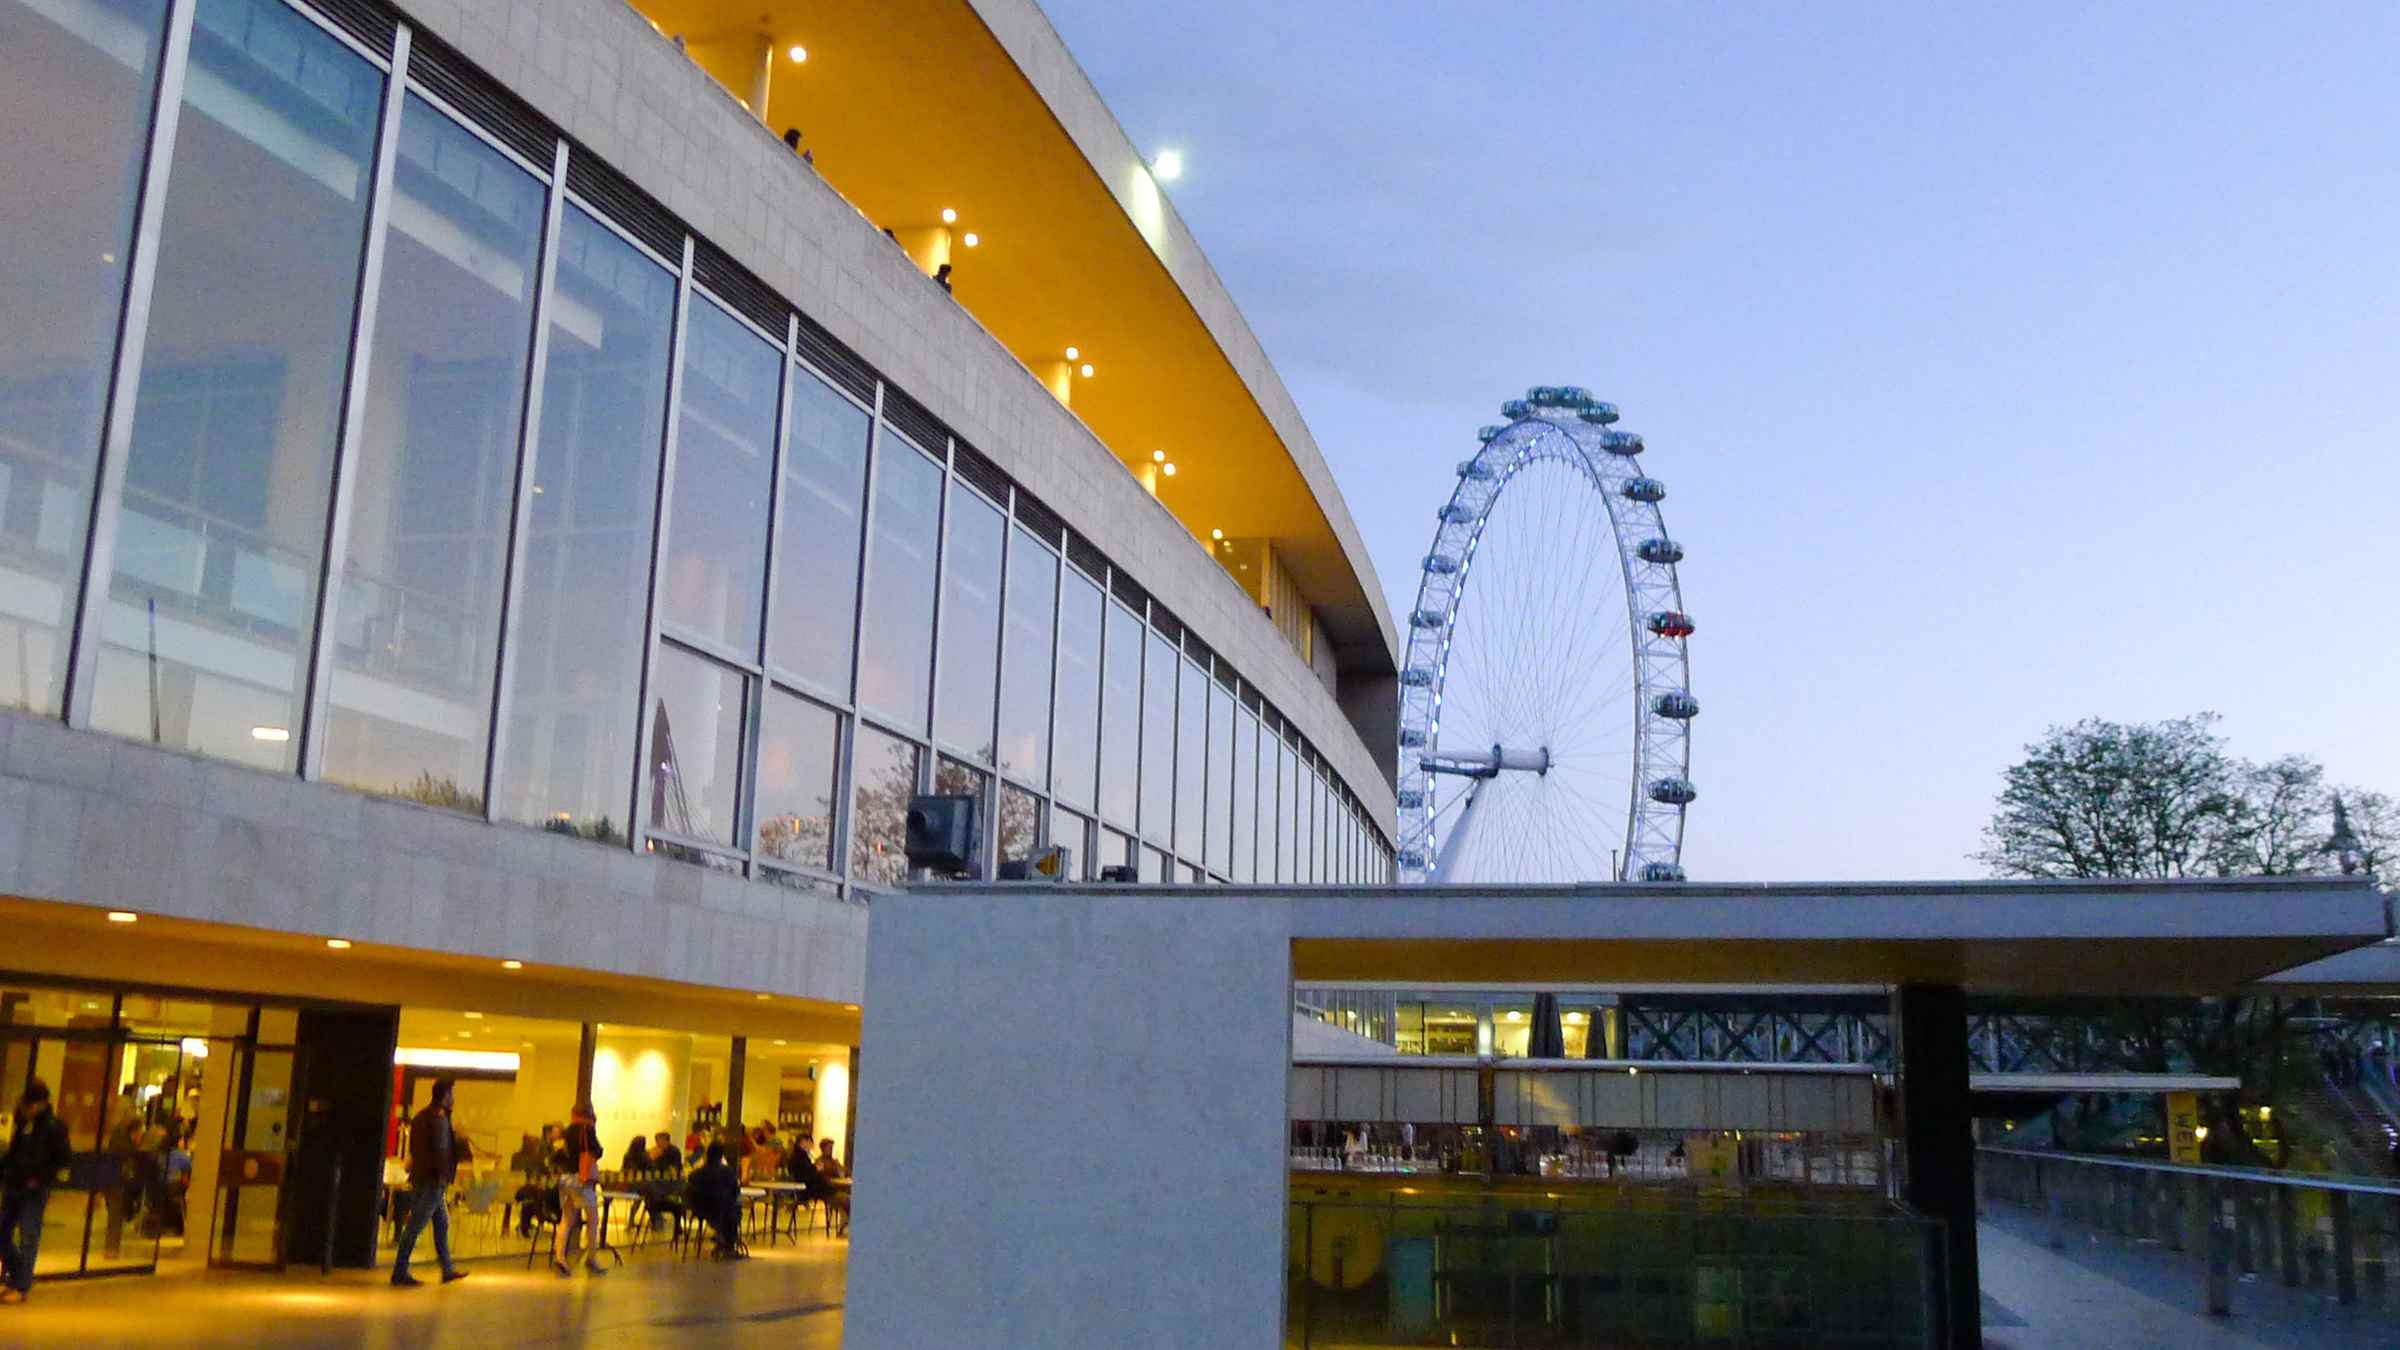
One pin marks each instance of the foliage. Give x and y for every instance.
(445, 793)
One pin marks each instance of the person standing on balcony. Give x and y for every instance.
(432, 1166)
(37, 1152)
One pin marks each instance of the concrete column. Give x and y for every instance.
(585, 1053)
(1929, 1026)
(736, 1077)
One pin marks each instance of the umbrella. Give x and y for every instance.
(1548, 1040)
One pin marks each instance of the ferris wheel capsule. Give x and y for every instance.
(1621, 442)
(1676, 704)
(1599, 413)
(1661, 871)
(1458, 512)
(1486, 434)
(1477, 470)
(1674, 791)
(1417, 677)
(1516, 409)
(1428, 618)
(1663, 551)
(1557, 396)
(1671, 623)
(1441, 565)
(1644, 490)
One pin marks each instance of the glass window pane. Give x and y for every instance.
(1220, 779)
(797, 749)
(223, 531)
(1020, 823)
(1245, 796)
(696, 747)
(1067, 831)
(78, 76)
(716, 559)
(1158, 740)
(1154, 865)
(1025, 673)
(1110, 852)
(970, 625)
(1121, 718)
(1287, 812)
(816, 550)
(1191, 756)
(417, 620)
(896, 640)
(954, 779)
(1074, 765)
(883, 769)
(575, 657)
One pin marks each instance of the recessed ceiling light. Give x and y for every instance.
(512, 965)
(1216, 534)
(1167, 469)
(1158, 456)
(1087, 370)
(779, 1040)
(970, 239)
(797, 52)
(949, 217)
(850, 1007)
(122, 916)
(1168, 166)
(474, 1017)
(338, 944)
(762, 997)
(275, 734)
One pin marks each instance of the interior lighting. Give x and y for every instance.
(512, 964)
(1087, 370)
(797, 52)
(338, 944)
(1158, 456)
(762, 997)
(438, 1057)
(1216, 534)
(2266, 1113)
(780, 1041)
(122, 916)
(849, 1007)
(1074, 354)
(275, 734)
(1168, 166)
(970, 239)
(2201, 1134)
(949, 217)
(1167, 469)
(474, 1017)
(195, 1048)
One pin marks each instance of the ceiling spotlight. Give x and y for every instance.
(122, 916)
(1168, 166)
(849, 1007)
(338, 944)
(1158, 456)
(780, 1041)
(797, 52)
(474, 1017)
(512, 964)
(1087, 370)
(949, 217)
(1216, 534)
(970, 239)
(1074, 354)
(762, 997)
(1167, 469)
(275, 734)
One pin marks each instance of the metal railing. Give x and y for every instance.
(2337, 1235)
(1525, 1271)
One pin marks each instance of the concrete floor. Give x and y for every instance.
(788, 1296)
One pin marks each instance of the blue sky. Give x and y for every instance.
(2007, 366)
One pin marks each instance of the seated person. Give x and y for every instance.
(664, 1156)
(637, 1157)
(826, 1162)
(715, 1196)
(530, 1159)
(798, 1167)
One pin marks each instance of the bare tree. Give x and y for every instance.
(2111, 799)
(2281, 819)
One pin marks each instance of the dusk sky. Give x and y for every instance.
(2006, 366)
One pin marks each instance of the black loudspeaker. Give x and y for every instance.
(1121, 874)
(941, 833)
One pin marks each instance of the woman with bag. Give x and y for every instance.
(578, 1164)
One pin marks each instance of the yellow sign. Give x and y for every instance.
(2183, 1127)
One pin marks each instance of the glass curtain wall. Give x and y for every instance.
(76, 87)
(495, 389)
(416, 623)
(205, 639)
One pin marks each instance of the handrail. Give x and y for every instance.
(2318, 1181)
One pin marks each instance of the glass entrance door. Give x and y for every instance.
(99, 1217)
(248, 1233)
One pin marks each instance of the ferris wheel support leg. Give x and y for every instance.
(1454, 849)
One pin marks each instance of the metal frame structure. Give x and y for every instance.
(1568, 426)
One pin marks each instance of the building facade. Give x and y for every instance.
(492, 537)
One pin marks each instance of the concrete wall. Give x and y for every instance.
(91, 820)
(597, 69)
(1071, 1118)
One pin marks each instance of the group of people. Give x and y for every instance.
(563, 1168)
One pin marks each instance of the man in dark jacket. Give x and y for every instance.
(432, 1165)
(716, 1195)
(37, 1152)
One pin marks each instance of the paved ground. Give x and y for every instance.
(789, 1297)
(2115, 1296)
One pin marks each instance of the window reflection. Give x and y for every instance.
(1121, 718)
(954, 779)
(76, 78)
(696, 737)
(1220, 779)
(1020, 824)
(223, 527)
(1025, 673)
(796, 751)
(1191, 757)
(716, 557)
(884, 768)
(1074, 768)
(418, 616)
(1067, 831)
(816, 570)
(970, 624)
(1158, 740)
(1287, 811)
(576, 652)
(1110, 852)
(1245, 796)
(896, 635)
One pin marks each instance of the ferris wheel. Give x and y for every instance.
(1546, 698)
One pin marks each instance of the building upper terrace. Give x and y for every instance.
(965, 129)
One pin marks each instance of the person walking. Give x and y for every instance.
(579, 1194)
(37, 1152)
(432, 1166)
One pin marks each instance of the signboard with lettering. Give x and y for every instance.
(2183, 1127)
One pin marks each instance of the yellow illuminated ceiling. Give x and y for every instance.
(911, 107)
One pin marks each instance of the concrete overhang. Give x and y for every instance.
(2047, 938)
(911, 107)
